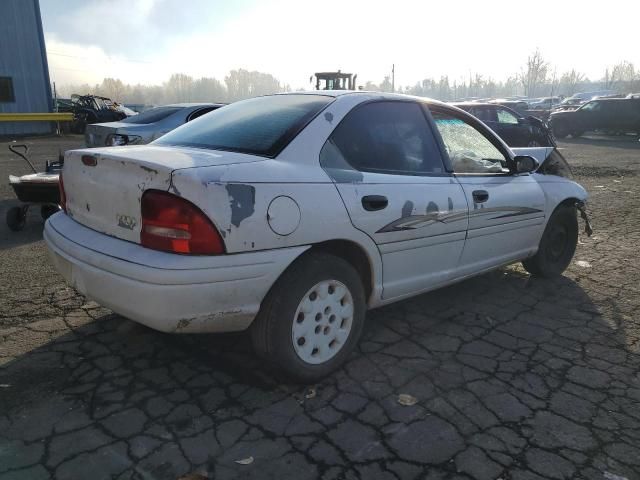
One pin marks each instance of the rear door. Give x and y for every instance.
(388, 168)
(506, 211)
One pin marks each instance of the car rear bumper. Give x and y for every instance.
(165, 291)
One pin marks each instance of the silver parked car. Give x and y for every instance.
(146, 126)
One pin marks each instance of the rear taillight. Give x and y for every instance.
(63, 196)
(173, 224)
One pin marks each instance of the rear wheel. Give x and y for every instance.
(16, 218)
(557, 246)
(312, 318)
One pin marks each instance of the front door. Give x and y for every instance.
(387, 166)
(506, 211)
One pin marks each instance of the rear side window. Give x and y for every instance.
(153, 115)
(199, 113)
(384, 137)
(260, 126)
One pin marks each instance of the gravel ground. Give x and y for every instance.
(513, 377)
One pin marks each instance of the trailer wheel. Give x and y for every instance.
(16, 218)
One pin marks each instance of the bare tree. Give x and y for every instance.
(620, 76)
(179, 88)
(244, 84)
(570, 80)
(534, 74)
(554, 82)
(112, 88)
(386, 86)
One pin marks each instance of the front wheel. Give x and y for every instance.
(557, 246)
(560, 131)
(312, 318)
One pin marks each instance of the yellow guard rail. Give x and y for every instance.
(36, 117)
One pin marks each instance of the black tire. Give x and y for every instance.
(577, 134)
(560, 131)
(557, 246)
(272, 330)
(47, 210)
(16, 218)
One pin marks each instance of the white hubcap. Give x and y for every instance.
(322, 322)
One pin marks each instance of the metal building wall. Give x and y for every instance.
(23, 57)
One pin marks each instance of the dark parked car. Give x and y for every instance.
(517, 105)
(610, 115)
(512, 127)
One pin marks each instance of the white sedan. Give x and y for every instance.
(291, 215)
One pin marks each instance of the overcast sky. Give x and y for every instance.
(146, 40)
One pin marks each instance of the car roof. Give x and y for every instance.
(187, 105)
(475, 104)
(604, 99)
(367, 94)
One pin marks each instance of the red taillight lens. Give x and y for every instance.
(173, 224)
(63, 196)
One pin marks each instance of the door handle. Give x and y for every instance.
(371, 203)
(480, 196)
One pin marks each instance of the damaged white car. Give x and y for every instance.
(291, 215)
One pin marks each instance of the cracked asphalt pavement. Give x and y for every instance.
(508, 376)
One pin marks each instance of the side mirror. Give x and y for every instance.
(525, 164)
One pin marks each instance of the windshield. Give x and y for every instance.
(153, 115)
(261, 126)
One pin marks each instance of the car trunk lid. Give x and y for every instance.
(104, 186)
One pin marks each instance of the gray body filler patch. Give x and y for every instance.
(242, 199)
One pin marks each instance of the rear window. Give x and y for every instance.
(153, 115)
(260, 126)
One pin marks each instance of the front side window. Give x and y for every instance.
(259, 126)
(384, 137)
(468, 149)
(591, 106)
(504, 116)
